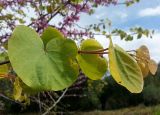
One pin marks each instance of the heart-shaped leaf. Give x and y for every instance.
(50, 33)
(124, 69)
(143, 53)
(144, 67)
(43, 68)
(93, 65)
(143, 56)
(152, 66)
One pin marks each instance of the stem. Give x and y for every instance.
(131, 51)
(101, 51)
(87, 52)
(8, 76)
(4, 62)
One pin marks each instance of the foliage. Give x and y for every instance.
(59, 68)
(151, 89)
(92, 65)
(86, 97)
(124, 69)
(43, 56)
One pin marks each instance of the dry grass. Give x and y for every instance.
(139, 110)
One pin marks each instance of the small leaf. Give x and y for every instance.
(152, 66)
(144, 67)
(124, 69)
(93, 65)
(143, 57)
(49, 9)
(17, 92)
(3, 69)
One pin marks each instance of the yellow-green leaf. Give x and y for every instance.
(3, 69)
(43, 64)
(49, 34)
(17, 92)
(152, 66)
(143, 56)
(124, 69)
(144, 67)
(142, 53)
(93, 65)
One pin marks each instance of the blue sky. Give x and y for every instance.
(146, 14)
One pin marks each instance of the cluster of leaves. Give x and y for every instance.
(145, 62)
(52, 62)
(15, 12)
(131, 2)
(133, 31)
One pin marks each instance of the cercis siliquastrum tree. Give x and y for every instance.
(43, 60)
(52, 62)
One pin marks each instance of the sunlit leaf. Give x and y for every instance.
(143, 56)
(124, 69)
(43, 68)
(17, 92)
(3, 68)
(152, 66)
(143, 53)
(93, 65)
(144, 67)
(49, 34)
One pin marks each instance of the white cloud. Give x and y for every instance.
(150, 12)
(122, 15)
(100, 16)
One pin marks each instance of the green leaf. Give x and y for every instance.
(93, 65)
(124, 69)
(49, 34)
(49, 9)
(76, 1)
(3, 68)
(43, 68)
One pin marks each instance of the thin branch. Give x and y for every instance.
(58, 100)
(50, 96)
(39, 100)
(131, 51)
(9, 99)
(87, 52)
(100, 50)
(43, 105)
(4, 62)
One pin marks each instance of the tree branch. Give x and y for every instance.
(101, 51)
(4, 62)
(58, 100)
